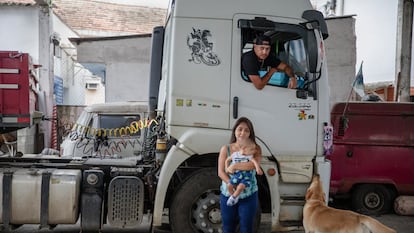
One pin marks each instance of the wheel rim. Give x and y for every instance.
(206, 212)
(372, 200)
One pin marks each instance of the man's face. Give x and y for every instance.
(262, 51)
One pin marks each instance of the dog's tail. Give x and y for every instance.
(375, 226)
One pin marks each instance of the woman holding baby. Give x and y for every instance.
(238, 164)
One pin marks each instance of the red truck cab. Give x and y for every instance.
(373, 156)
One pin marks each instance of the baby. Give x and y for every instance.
(239, 180)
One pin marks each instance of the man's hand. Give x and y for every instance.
(293, 83)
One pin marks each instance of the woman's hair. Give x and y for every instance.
(249, 124)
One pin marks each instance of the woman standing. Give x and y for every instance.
(244, 211)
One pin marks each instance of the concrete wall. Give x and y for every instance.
(19, 28)
(340, 49)
(127, 61)
(27, 29)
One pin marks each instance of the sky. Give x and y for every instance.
(375, 27)
(376, 33)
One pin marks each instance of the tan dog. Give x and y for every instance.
(320, 218)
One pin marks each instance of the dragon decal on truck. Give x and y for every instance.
(201, 48)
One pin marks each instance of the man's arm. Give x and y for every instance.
(260, 83)
(289, 72)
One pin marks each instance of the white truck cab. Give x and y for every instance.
(101, 131)
(197, 92)
(202, 92)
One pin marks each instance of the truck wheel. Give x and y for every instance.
(196, 205)
(372, 199)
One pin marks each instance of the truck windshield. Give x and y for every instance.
(118, 122)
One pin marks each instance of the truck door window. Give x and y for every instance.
(288, 44)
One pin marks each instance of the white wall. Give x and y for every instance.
(74, 75)
(341, 57)
(19, 27)
(127, 65)
(20, 31)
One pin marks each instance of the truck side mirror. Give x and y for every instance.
(315, 21)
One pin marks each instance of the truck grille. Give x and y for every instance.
(125, 201)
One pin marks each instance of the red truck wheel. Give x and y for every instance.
(372, 199)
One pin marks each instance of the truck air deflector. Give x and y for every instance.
(289, 31)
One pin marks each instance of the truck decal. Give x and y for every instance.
(201, 48)
(302, 115)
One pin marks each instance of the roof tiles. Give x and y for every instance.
(100, 16)
(18, 2)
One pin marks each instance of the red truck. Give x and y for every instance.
(18, 91)
(373, 156)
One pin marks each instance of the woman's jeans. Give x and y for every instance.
(244, 210)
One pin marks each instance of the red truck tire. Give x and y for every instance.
(373, 199)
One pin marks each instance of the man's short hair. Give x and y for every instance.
(262, 40)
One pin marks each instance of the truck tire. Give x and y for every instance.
(372, 199)
(196, 204)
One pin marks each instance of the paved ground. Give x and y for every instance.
(403, 224)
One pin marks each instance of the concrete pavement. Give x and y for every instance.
(402, 224)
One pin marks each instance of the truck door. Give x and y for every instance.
(285, 123)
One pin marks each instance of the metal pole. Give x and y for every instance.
(404, 45)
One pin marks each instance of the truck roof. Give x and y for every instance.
(118, 107)
(227, 9)
(374, 108)
(373, 123)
